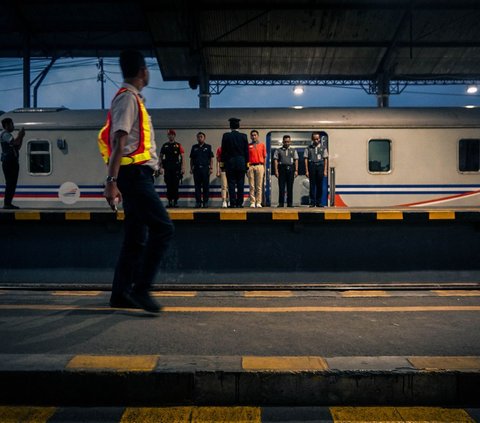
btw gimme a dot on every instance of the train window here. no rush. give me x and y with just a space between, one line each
379 152
469 155
39 157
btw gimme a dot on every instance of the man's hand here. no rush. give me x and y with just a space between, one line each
112 195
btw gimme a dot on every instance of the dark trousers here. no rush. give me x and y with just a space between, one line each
315 171
286 176
172 181
10 170
201 177
236 181
147 231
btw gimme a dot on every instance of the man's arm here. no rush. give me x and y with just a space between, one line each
111 193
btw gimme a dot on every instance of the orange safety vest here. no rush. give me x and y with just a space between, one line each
142 153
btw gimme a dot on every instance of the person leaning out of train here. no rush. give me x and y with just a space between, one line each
316 166
201 167
10 148
223 177
257 153
172 166
285 162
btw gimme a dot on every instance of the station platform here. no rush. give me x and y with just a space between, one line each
263 349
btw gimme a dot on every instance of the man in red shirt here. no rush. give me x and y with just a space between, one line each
257 154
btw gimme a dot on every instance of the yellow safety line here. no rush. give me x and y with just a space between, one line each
337 215
26 414
446 363
27 215
181 215
390 215
361 294
76 293
174 294
284 363
287 215
77 215
456 293
138 363
233 215
441 215
268 294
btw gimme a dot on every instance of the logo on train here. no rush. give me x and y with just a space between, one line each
69 193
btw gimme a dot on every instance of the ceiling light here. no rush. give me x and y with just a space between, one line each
472 89
298 90
298 107
470 106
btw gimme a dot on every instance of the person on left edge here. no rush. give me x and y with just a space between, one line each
172 165
127 144
201 167
257 154
10 147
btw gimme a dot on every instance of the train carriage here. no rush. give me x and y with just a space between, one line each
392 157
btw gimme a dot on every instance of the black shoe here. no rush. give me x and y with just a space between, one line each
143 300
121 302
289 205
280 205
311 205
319 205
10 207
205 205
198 205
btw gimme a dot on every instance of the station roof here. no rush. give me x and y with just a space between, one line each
245 39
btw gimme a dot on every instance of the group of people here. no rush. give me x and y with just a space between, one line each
236 158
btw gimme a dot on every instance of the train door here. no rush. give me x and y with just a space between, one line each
300 140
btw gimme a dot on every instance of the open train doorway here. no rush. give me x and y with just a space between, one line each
301 185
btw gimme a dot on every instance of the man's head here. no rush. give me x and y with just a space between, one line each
234 123
316 137
134 67
287 140
201 137
171 134
7 124
254 135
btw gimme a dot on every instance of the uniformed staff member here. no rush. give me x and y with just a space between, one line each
201 167
285 162
172 166
235 158
316 165
10 148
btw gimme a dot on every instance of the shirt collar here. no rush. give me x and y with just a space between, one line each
133 89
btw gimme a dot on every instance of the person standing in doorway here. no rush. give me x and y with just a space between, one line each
10 147
316 165
127 144
201 167
172 166
285 162
235 158
257 154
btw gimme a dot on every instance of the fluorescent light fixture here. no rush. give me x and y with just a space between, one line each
298 90
472 89
298 107
470 106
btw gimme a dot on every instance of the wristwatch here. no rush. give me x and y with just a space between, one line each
111 179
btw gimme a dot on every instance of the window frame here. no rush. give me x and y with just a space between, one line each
466 172
380 172
35 153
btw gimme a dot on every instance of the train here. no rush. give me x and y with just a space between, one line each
378 157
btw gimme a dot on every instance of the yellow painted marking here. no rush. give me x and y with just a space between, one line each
361 294
180 215
275 294
434 414
309 309
233 215
457 293
27 215
26 414
137 363
77 215
365 414
390 215
192 415
441 215
284 363
399 414
445 363
174 294
337 215
121 215
287 215
76 293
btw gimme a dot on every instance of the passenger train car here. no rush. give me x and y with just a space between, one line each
391 157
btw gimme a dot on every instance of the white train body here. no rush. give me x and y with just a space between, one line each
380 157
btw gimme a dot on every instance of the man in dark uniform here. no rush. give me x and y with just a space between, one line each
235 159
316 165
285 161
172 166
201 167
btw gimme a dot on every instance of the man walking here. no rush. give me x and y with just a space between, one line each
127 144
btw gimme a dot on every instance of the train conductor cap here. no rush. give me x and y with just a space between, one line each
171 132
234 123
